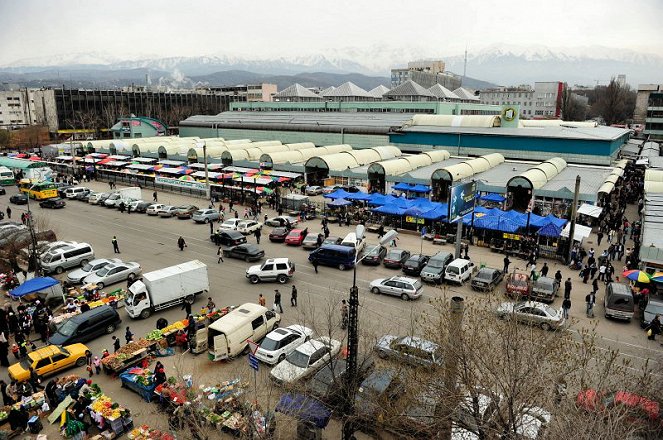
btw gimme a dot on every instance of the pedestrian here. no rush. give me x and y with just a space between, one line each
277 301
585 274
154 196
544 270
293 296
599 237
116 343
566 306
4 351
380 231
9 212
210 305
219 252
181 243
128 336
315 265
590 300
505 269
230 206
211 228
97 365
532 271
186 307
35 381
257 234
121 207
261 300
116 248
567 288
595 285
654 328
602 270
592 270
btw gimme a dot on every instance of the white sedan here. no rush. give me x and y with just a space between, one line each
247 227
282 220
78 275
305 360
231 224
113 273
281 342
154 209
533 313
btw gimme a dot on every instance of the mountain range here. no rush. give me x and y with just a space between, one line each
497 64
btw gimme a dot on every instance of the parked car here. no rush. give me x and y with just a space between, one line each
2 191
113 273
247 252
640 409
167 211
186 211
330 189
282 220
313 190
378 392
533 313
328 384
406 288
230 224
205 215
395 258
517 285
374 256
459 271
83 196
281 342
278 234
48 360
248 227
274 269
227 237
433 272
54 203
19 199
654 307
154 209
97 198
415 264
313 240
62 188
139 206
295 236
305 360
486 279
78 275
352 241
75 191
544 289
409 349
332 240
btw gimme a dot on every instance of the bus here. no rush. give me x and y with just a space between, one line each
6 177
38 190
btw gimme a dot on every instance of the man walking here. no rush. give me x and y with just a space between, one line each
261 300
566 306
116 344
277 301
590 299
116 248
293 297
9 212
154 197
315 265
506 264
257 233
181 243
567 288
128 336
220 254
186 307
544 270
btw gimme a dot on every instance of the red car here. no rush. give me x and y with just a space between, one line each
639 408
296 236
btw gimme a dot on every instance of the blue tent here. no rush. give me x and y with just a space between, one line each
496 223
492 197
304 408
358 196
339 202
338 194
377 199
550 230
402 186
390 209
420 188
560 222
33 285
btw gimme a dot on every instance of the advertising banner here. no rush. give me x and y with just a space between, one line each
461 199
180 183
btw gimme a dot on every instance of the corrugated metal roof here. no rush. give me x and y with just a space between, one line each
348 89
441 92
596 133
327 90
409 88
296 91
465 94
379 91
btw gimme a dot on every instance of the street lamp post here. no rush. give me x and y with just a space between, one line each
353 339
33 238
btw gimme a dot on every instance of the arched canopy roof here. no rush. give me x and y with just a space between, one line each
606 188
541 174
233 155
404 164
299 156
468 168
300 146
652 175
334 162
486 121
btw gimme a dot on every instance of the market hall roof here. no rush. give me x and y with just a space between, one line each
379 91
441 92
346 90
296 91
409 88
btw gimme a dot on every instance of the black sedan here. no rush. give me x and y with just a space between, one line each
374 256
278 234
54 203
19 199
486 279
2 191
415 264
227 238
395 258
246 252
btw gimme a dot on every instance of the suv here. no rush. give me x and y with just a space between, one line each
434 270
274 269
66 257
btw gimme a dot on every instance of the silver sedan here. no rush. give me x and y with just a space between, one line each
78 275
113 273
533 313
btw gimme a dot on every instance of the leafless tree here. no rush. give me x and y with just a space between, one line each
572 108
614 103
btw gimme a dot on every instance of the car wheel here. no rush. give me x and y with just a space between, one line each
206 220
341 266
190 299
100 285
281 358
80 361
110 329
545 326
84 262
145 313
253 279
405 297
375 290
382 354
59 270
282 279
247 259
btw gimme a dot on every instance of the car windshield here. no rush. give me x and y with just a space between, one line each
269 344
394 255
484 275
251 248
199 212
518 282
279 231
435 262
103 271
452 269
294 234
68 328
298 359
417 285
654 308
87 268
373 252
114 197
26 363
549 310
48 258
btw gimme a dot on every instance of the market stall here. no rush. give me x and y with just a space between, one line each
128 356
140 381
144 432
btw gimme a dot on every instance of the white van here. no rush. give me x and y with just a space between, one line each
71 193
66 257
458 271
228 336
350 240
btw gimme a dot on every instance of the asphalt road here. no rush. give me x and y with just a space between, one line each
152 242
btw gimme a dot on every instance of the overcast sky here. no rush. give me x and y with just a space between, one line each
259 28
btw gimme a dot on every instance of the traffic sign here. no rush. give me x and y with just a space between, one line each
253 361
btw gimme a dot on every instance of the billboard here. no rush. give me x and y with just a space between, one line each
461 199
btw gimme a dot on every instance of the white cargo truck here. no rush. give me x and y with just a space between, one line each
167 287
125 195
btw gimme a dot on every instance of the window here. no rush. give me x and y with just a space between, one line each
258 322
281 266
43 362
268 267
59 357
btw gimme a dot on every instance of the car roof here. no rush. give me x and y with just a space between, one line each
114 265
277 260
310 347
82 317
283 332
415 341
545 281
487 270
232 233
403 279
441 255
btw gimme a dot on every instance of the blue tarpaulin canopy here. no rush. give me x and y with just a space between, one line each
304 408
496 223
358 196
390 209
550 230
402 186
377 199
492 197
338 194
339 202
33 285
420 188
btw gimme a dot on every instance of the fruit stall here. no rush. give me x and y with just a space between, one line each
128 355
140 381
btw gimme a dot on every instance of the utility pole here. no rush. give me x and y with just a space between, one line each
574 209
207 186
444 411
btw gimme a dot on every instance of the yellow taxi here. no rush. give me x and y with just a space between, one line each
48 360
